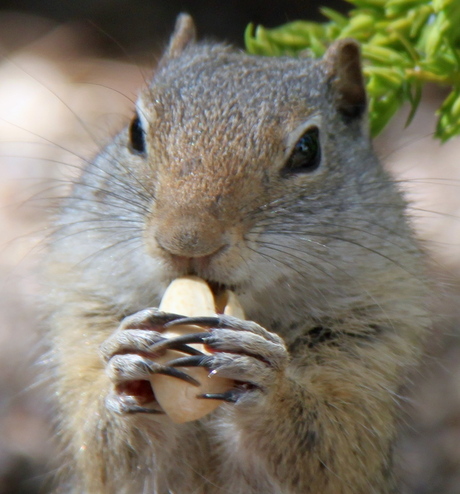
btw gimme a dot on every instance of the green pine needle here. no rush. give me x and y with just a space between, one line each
405 44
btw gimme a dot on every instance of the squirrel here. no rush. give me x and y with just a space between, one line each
256 174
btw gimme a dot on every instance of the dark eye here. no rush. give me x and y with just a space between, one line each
137 136
306 155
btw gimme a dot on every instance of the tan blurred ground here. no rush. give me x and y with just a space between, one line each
57 106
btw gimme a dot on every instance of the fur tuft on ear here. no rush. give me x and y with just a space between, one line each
343 63
184 34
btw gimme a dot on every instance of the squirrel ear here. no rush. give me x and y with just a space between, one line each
343 65
184 34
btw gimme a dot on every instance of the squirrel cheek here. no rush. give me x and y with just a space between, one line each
191 296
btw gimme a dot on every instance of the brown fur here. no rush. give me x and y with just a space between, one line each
326 260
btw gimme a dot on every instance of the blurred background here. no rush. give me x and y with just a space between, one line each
69 73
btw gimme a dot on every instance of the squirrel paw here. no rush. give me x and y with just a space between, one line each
138 333
241 350
130 362
124 404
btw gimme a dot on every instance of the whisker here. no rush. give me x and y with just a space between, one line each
94 164
295 232
61 199
57 236
105 250
45 86
283 250
117 91
277 261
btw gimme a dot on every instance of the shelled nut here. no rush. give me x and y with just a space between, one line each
191 296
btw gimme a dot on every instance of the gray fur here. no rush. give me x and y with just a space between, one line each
326 260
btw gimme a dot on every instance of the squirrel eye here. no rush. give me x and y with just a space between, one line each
306 155
137 135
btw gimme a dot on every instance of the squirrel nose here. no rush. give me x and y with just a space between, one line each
189 237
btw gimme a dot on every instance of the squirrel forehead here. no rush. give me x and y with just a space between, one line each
215 80
216 99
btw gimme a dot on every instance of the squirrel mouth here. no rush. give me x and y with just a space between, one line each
200 267
217 288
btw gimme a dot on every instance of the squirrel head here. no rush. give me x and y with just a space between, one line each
227 133
250 168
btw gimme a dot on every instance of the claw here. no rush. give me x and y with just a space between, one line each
187 349
148 318
179 343
168 371
204 321
135 409
195 361
165 317
229 396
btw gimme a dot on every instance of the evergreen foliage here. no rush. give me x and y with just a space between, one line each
405 44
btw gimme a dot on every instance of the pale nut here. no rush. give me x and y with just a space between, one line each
191 296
